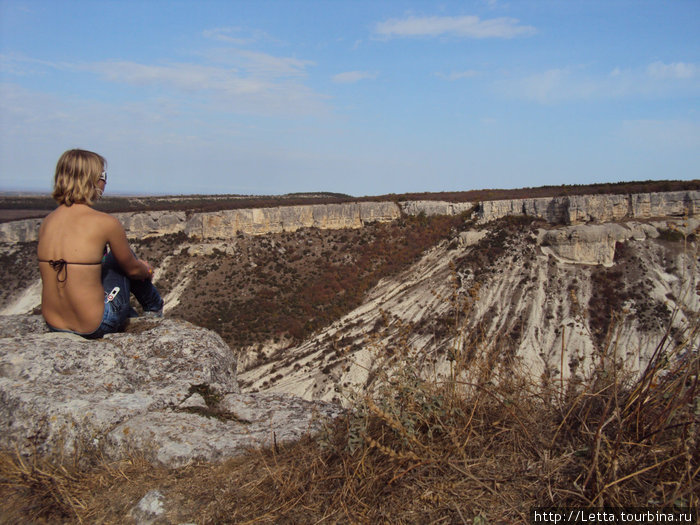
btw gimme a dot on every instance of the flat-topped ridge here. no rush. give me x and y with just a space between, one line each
223 224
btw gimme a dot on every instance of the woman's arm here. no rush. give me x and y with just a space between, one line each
118 243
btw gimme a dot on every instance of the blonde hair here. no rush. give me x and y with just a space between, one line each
77 173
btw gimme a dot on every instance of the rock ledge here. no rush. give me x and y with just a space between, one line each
165 388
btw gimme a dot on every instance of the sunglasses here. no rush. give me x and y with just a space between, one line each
103 177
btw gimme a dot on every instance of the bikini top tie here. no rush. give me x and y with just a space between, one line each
59 265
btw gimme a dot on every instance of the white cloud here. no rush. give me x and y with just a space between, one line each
249 82
254 71
189 77
20 65
666 135
257 63
459 26
458 75
238 36
230 35
676 70
350 77
255 91
154 145
573 83
552 86
231 91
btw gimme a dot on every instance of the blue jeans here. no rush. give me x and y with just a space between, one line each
118 288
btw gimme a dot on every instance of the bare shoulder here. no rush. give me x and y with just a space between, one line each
51 216
52 221
104 218
76 233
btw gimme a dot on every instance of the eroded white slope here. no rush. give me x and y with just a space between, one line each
26 302
531 304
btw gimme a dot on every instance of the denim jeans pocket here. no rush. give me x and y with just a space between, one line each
114 318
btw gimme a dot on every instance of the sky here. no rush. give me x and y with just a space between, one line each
262 97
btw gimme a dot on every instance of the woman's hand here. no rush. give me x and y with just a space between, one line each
148 268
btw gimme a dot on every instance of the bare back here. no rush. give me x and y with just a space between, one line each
72 297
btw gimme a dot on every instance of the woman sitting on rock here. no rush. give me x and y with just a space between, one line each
85 287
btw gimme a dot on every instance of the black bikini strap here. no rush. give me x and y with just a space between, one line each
60 265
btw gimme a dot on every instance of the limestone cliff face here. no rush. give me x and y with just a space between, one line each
594 243
577 209
228 223
153 223
19 231
260 221
435 207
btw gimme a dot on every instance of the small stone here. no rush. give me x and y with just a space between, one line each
194 401
149 508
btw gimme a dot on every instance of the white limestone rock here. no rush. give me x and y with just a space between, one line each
149 509
152 223
232 425
126 391
553 210
579 209
595 243
226 224
587 244
534 299
471 237
26 230
431 208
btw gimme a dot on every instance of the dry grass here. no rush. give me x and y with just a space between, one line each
422 451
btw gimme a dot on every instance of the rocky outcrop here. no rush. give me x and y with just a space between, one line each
225 224
153 223
228 223
435 207
19 231
257 221
164 388
577 209
593 243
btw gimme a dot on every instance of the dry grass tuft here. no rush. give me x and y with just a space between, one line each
68 490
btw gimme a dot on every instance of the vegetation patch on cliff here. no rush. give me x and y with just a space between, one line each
621 290
289 285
